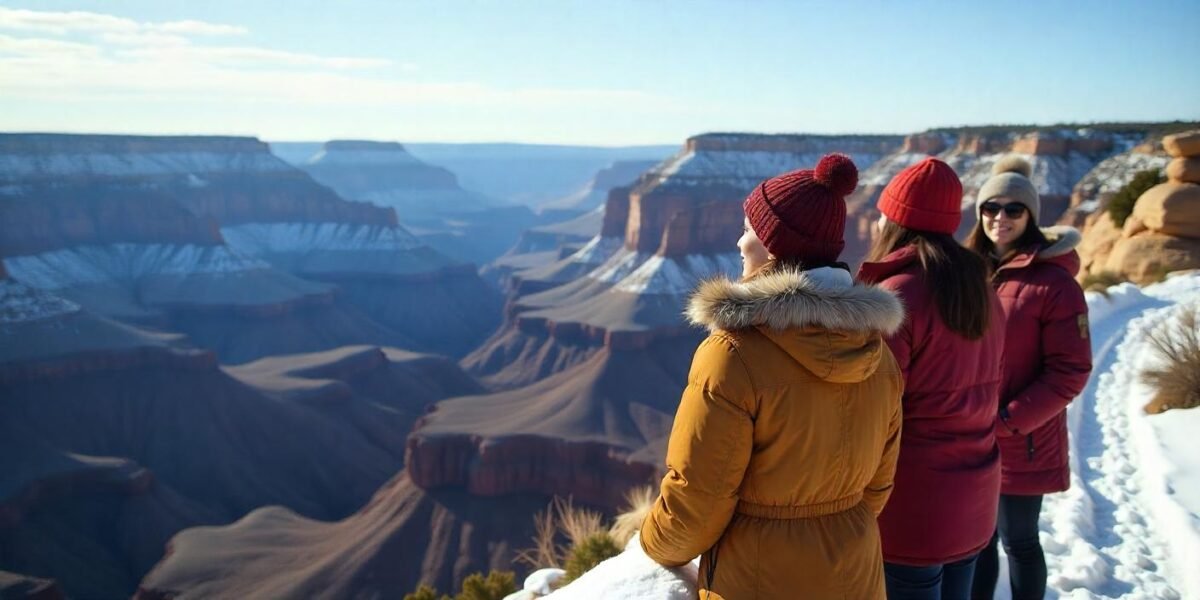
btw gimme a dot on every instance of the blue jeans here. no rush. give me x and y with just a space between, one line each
951 581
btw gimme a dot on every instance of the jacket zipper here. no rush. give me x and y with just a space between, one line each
1029 446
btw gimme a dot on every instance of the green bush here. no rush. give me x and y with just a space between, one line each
424 592
495 586
588 553
1121 204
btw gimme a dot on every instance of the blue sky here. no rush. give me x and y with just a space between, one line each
610 73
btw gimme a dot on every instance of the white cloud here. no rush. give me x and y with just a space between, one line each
160 67
69 22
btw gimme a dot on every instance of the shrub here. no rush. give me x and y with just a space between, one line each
575 539
424 592
1121 204
1100 282
1176 382
589 552
495 586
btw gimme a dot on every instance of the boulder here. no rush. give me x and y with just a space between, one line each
1170 208
1099 237
1183 145
1146 258
1184 170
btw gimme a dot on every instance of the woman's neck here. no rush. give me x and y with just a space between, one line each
1003 249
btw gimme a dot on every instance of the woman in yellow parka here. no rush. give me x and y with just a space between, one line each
785 442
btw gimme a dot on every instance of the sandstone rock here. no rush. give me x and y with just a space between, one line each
1184 170
1181 145
1099 237
1170 208
1146 258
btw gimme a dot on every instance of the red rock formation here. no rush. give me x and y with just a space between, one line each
403 537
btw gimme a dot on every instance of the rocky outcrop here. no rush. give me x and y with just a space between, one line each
459 223
403 537
219 239
1074 170
112 439
1163 233
1090 196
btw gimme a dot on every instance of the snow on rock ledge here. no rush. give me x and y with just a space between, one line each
632 575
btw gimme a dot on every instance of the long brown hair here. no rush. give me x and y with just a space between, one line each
982 245
957 276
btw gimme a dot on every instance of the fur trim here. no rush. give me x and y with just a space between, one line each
1063 240
793 298
1013 164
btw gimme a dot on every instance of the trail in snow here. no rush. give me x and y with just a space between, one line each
1105 537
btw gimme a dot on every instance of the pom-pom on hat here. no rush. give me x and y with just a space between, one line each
801 215
1010 179
926 196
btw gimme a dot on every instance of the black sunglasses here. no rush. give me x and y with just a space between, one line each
1011 210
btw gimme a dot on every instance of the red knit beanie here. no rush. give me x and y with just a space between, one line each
801 215
926 197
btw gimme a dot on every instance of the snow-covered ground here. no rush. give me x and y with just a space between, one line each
1128 528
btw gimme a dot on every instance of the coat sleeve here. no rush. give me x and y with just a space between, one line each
1066 359
880 487
707 456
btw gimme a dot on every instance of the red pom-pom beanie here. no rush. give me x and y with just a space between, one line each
801 215
926 196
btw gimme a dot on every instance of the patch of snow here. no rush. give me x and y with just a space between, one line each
597 250
1052 175
125 263
886 168
619 266
20 303
262 238
678 276
738 168
542 581
631 575
196 182
16 167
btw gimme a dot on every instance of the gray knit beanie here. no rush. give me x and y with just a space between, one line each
1010 178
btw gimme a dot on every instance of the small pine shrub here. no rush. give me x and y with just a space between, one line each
588 553
1100 282
425 592
1121 204
1176 382
495 586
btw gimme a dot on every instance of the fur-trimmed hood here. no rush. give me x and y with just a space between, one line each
820 318
1063 240
793 298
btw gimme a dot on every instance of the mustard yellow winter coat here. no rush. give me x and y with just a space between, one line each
785 442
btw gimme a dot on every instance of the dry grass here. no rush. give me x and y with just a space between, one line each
637 503
563 528
1100 282
1177 382
561 520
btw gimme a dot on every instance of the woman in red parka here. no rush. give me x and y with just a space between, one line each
943 507
1047 359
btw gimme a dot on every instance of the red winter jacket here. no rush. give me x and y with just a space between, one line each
943 506
1046 364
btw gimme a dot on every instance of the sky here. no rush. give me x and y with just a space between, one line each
599 73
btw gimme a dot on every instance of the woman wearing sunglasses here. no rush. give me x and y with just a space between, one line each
1046 363
943 507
